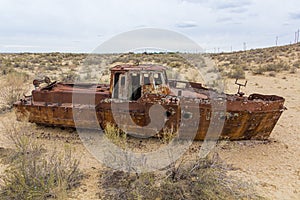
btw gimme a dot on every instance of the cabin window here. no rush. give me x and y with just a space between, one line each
135 87
123 81
116 86
146 79
122 87
157 79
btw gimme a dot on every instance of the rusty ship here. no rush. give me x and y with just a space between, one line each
134 93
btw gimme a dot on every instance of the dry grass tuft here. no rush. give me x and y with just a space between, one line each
13 87
205 179
236 73
167 136
272 74
293 70
115 135
34 173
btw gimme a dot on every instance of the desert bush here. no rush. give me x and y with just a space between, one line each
203 179
277 67
269 60
34 173
293 70
13 87
274 67
236 73
167 135
115 135
271 67
258 70
296 64
272 74
70 77
51 68
174 64
213 70
7 70
245 67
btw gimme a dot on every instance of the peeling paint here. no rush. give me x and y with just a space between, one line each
142 87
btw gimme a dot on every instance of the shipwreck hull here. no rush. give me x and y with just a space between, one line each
141 101
245 119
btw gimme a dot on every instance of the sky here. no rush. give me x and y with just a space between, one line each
82 25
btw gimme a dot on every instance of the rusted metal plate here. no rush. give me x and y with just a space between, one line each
134 90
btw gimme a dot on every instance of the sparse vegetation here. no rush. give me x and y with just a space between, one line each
65 65
258 70
13 87
34 173
203 179
293 70
115 135
70 77
259 61
167 136
272 74
238 72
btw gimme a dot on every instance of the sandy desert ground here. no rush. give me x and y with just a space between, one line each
272 166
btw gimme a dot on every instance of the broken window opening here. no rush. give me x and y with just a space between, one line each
146 79
123 81
135 87
157 79
116 86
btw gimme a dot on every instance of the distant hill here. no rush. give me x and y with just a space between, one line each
64 66
260 61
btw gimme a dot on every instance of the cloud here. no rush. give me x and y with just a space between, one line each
286 24
140 26
186 24
238 10
194 1
224 19
148 38
54 25
19 46
236 6
295 15
233 4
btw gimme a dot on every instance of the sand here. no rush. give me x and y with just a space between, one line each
273 166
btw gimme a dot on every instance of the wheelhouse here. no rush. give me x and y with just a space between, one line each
132 82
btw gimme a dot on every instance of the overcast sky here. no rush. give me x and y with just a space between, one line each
82 25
